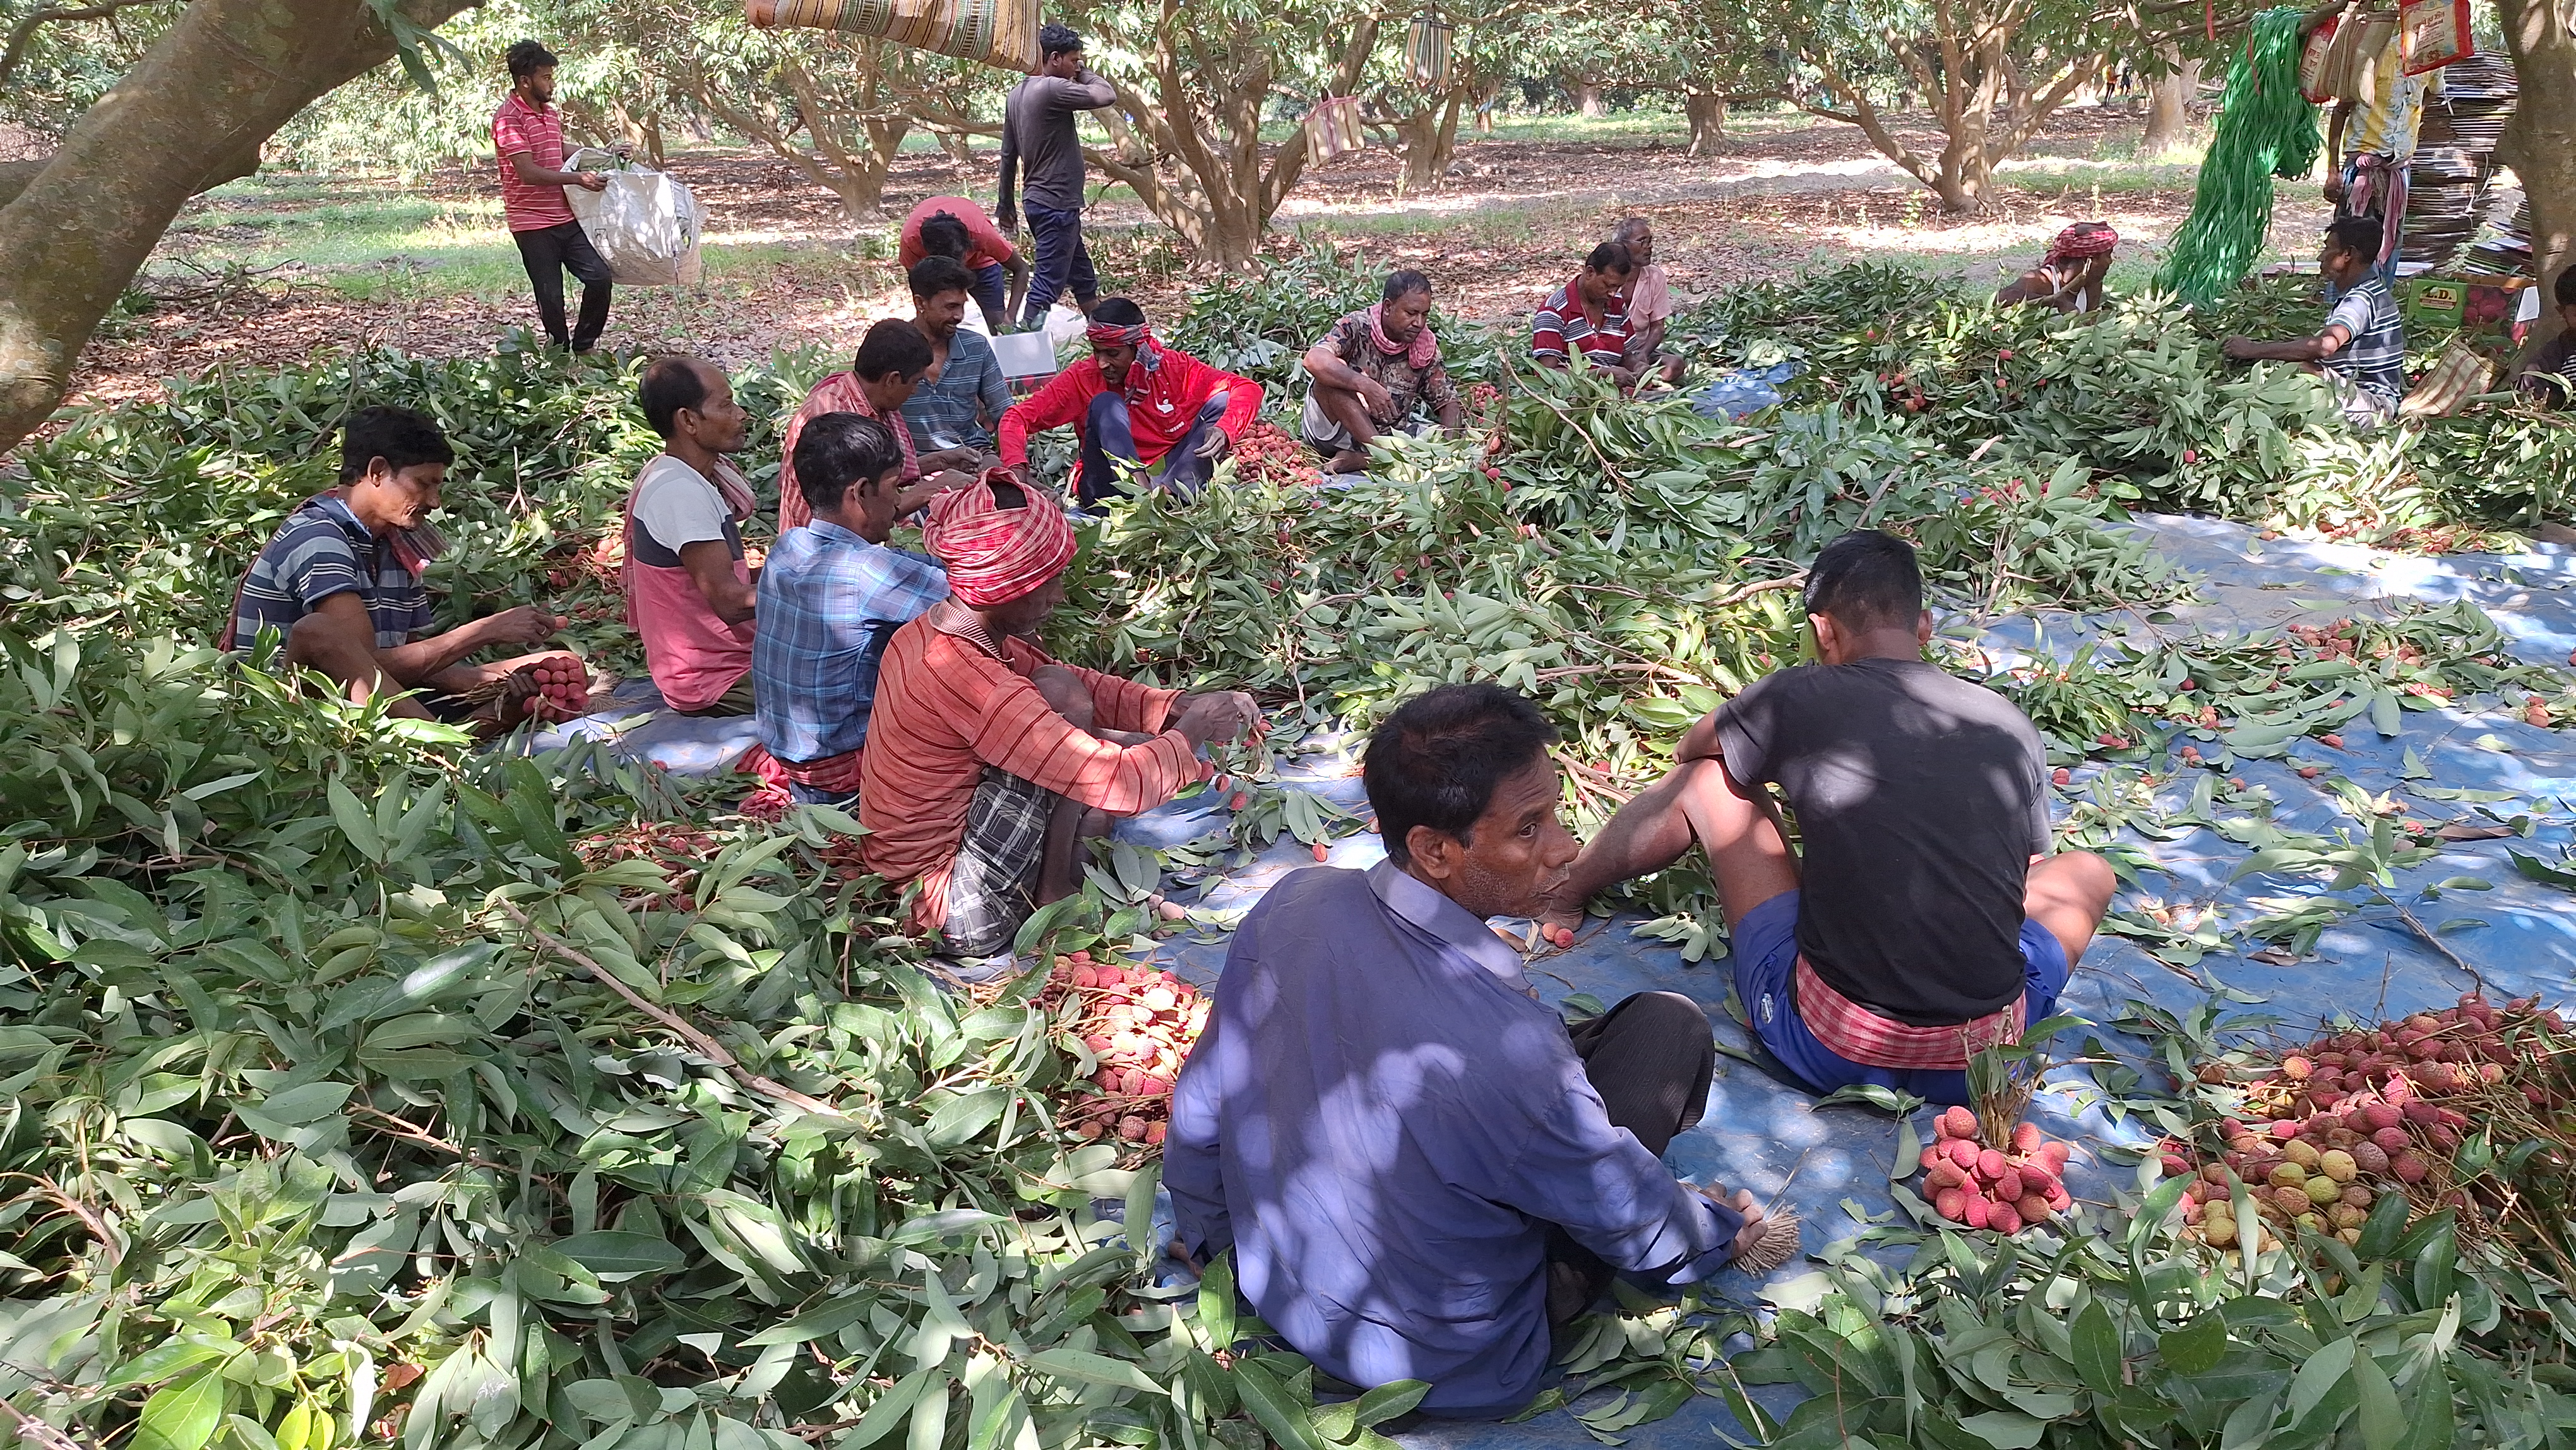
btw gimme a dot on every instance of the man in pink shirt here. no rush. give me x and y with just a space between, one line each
527 135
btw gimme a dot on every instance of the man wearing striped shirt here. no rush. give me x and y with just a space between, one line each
2362 348
340 591
987 760
527 136
1588 318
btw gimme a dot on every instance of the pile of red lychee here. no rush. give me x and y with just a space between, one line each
2354 1115
1139 1026
2003 1188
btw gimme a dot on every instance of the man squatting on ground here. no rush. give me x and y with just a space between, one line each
956 228
1588 318
1927 919
1649 301
987 759
1136 403
339 584
1421 1173
1378 371
527 134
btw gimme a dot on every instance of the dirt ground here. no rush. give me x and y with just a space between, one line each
787 269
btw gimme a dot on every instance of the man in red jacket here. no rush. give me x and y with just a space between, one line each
1138 403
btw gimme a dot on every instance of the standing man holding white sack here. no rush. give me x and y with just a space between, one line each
527 136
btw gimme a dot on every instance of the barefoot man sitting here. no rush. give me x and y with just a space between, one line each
1928 918
986 760
1421 1173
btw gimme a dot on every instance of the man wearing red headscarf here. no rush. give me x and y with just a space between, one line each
987 760
2070 277
1135 403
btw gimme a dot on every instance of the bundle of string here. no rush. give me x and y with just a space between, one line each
2265 129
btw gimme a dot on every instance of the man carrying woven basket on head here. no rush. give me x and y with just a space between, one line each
2069 278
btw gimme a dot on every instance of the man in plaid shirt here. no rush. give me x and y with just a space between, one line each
831 595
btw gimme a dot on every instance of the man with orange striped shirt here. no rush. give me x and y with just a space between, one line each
987 760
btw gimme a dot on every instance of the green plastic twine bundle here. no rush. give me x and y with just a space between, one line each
2265 129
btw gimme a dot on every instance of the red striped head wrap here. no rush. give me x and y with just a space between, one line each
993 554
2083 240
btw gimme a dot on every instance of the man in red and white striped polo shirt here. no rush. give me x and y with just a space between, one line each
527 136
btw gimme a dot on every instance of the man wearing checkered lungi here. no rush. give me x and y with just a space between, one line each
988 761
1926 917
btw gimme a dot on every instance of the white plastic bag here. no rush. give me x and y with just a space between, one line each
645 224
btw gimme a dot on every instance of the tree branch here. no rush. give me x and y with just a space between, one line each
25 30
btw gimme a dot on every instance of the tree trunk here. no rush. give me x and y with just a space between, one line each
218 83
960 148
1707 113
1430 140
1587 99
2540 143
2168 102
1208 128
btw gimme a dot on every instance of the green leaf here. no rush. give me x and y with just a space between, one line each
961 1118
163 1360
2381 1231
2005 1430
1390 1400
2432 1420
2376 1411
182 1416
891 1408
354 821
1270 1404
2096 1342
947 1223
2197 1347
1216 1302
2322 1371
830 1317
310 1103
1098 1369
612 1254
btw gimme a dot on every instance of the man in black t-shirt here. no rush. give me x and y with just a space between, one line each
1931 919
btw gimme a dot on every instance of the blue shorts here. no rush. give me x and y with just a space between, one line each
1766 956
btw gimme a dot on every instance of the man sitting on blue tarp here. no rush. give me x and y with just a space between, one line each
1927 917
1422 1175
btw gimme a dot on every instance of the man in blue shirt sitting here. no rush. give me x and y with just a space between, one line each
1420 1173
831 595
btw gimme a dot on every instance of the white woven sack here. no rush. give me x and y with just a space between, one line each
645 225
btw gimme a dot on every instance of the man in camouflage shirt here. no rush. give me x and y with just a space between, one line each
1378 371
